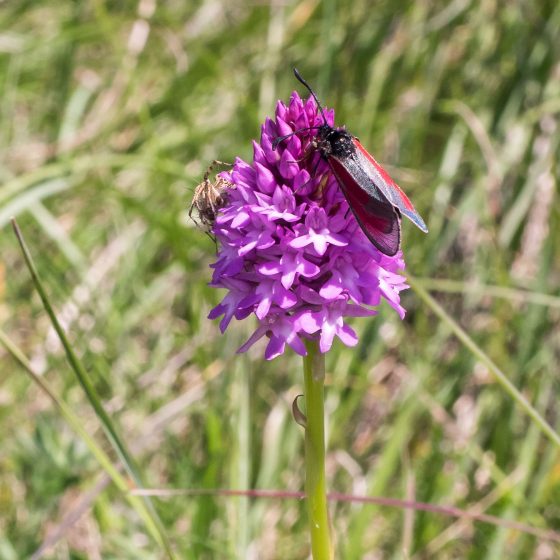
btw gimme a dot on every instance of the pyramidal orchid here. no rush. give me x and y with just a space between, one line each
290 250
292 255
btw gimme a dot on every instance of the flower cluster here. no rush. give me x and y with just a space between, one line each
290 249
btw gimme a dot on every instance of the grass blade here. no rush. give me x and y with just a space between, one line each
503 292
500 376
75 423
82 376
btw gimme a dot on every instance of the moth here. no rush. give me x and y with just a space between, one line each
375 199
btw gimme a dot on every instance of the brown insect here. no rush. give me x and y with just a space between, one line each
209 197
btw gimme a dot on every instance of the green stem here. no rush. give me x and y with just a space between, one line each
315 487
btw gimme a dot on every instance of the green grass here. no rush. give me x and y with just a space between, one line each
104 136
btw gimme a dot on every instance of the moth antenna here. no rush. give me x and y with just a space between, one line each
282 138
300 79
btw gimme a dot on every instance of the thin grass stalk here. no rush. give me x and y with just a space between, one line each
82 376
500 376
77 425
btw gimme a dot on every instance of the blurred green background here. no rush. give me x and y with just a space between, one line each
110 114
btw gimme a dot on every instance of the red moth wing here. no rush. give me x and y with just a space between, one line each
387 186
376 216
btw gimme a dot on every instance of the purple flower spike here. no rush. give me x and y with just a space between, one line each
290 250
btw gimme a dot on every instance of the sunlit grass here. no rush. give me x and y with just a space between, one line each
110 115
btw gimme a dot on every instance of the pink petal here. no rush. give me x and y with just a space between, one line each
252 339
330 289
328 331
269 268
274 348
263 308
297 345
288 165
308 323
347 335
265 179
